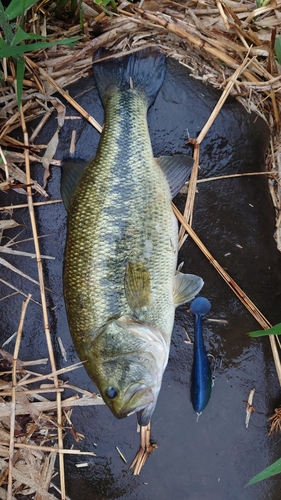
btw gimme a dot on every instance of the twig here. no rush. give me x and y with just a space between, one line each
42 406
235 288
188 211
146 448
4 163
13 404
222 99
43 300
249 407
68 98
25 205
51 449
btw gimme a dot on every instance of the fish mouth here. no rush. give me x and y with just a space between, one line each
138 397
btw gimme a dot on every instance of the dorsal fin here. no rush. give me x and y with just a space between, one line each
71 171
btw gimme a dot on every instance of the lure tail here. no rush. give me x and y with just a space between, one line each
143 71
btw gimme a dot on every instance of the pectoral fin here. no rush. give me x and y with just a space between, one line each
137 286
71 172
186 286
177 170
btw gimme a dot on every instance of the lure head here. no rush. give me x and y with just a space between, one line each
200 306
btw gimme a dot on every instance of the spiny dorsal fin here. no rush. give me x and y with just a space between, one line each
177 170
186 286
72 169
137 286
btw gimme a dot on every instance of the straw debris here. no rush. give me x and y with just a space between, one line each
29 422
228 43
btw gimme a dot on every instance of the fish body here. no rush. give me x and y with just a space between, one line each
201 379
121 250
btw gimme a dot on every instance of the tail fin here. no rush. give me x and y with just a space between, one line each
143 70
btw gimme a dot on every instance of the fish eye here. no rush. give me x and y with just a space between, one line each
111 392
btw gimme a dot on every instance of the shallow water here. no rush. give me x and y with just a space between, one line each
214 458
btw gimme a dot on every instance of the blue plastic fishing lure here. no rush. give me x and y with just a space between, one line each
201 381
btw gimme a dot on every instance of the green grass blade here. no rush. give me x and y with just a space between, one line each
3 16
4 24
273 469
275 330
21 35
20 76
8 51
17 7
277 48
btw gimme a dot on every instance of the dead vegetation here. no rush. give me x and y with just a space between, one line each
226 43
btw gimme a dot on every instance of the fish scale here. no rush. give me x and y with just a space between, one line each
121 250
118 207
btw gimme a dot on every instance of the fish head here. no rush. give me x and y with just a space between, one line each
130 359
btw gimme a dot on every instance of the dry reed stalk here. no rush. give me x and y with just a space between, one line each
271 173
43 300
146 448
189 206
50 449
5 249
25 205
41 124
45 406
17 291
16 270
195 41
26 480
231 81
12 120
16 455
32 391
52 375
4 163
249 407
46 474
222 14
246 301
67 97
13 404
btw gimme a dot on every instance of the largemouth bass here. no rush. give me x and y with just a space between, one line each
120 281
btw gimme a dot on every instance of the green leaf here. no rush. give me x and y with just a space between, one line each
21 35
7 51
20 75
262 3
102 2
273 469
275 330
277 47
17 7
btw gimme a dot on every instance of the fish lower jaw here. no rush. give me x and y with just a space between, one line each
139 398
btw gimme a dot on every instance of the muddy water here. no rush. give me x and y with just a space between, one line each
211 459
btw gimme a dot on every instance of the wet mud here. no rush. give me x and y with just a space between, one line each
214 458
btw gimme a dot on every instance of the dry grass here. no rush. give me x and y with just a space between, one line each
227 43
